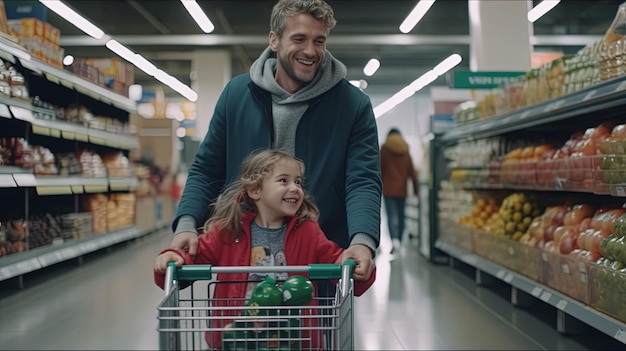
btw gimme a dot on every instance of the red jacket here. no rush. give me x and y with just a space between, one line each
305 243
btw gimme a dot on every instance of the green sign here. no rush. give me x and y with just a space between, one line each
481 80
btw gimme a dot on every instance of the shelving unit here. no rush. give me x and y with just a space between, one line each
585 108
23 185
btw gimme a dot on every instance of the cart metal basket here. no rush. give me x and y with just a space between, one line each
206 323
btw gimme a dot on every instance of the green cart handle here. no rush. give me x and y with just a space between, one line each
315 271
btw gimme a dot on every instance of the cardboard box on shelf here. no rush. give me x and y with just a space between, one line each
114 69
27 28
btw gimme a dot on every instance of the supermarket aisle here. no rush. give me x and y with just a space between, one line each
110 303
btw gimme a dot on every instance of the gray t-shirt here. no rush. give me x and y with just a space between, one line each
268 249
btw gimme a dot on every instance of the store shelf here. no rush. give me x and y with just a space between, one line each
70 131
12 177
32 260
576 309
597 98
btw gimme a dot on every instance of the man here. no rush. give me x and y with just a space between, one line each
296 98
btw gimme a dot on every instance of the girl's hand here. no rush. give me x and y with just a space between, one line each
161 261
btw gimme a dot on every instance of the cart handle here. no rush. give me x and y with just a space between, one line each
316 271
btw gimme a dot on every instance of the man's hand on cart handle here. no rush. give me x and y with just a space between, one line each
364 261
186 241
161 261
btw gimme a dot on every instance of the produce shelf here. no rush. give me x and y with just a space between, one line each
594 99
568 305
41 257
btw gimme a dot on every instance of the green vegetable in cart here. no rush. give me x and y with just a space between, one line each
266 293
297 291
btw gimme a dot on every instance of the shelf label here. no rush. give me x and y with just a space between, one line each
536 291
55 133
511 251
68 135
544 256
582 267
619 190
66 83
53 190
583 277
96 140
81 137
500 274
24 179
525 114
52 78
7 181
40 130
4 111
96 188
621 335
22 113
590 94
565 268
558 104
561 305
77 189
545 296
508 278
120 186
548 108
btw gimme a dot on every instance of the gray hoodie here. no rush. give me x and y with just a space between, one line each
287 108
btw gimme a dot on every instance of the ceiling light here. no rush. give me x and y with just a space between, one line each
416 15
74 18
371 67
442 68
541 9
198 15
448 64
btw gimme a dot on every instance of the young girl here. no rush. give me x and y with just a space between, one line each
264 218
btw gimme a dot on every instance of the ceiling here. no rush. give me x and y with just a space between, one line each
163 32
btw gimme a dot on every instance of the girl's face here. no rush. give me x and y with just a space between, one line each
280 194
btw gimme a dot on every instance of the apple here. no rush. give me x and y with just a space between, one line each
567 243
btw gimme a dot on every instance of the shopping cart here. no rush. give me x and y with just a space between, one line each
208 323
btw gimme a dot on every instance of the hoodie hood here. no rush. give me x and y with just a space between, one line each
330 72
396 144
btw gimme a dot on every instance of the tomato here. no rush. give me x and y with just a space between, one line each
577 214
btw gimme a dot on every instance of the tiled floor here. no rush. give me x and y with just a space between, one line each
109 302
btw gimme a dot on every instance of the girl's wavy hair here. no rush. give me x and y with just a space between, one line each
230 206
285 9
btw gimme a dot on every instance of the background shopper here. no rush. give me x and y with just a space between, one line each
396 168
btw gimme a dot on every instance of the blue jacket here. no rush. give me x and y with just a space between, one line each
336 139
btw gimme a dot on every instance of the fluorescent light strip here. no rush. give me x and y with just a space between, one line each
416 15
74 18
198 15
541 9
371 67
442 68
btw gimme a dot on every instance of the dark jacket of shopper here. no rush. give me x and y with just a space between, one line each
396 166
336 138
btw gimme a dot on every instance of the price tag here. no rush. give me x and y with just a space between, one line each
96 140
68 135
119 186
4 111
66 83
545 296
561 305
508 278
544 256
500 274
536 291
53 190
52 78
619 190
81 137
24 179
96 188
621 335
22 113
590 94
77 189
511 251
582 267
565 268
55 133
40 130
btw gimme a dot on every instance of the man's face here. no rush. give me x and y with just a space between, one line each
300 51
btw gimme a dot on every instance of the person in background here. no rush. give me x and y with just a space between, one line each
265 218
396 168
295 98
